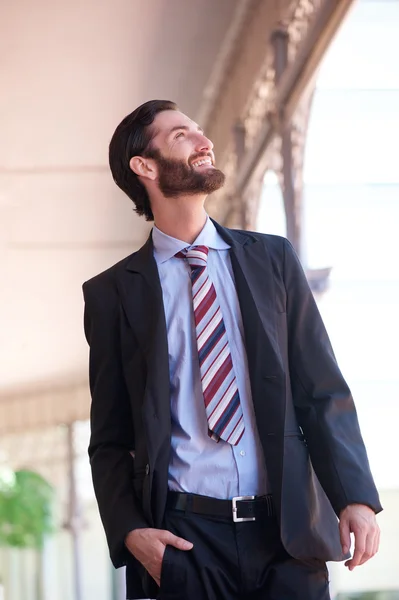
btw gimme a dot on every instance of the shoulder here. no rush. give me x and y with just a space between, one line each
108 274
104 284
276 245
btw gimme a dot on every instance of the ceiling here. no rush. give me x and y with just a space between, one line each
71 71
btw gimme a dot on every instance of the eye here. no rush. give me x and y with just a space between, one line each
179 135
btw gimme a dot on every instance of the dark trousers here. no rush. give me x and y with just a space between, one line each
236 561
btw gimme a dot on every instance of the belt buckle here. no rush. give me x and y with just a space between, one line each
235 509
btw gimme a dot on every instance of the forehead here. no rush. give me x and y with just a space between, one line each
168 119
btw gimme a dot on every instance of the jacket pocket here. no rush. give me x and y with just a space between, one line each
295 434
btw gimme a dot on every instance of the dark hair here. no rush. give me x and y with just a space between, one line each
131 138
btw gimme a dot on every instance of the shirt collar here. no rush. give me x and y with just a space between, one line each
166 246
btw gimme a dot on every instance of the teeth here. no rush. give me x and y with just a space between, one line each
205 161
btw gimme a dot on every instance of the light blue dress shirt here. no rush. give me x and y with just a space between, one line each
199 465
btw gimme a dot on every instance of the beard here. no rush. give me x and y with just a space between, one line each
176 177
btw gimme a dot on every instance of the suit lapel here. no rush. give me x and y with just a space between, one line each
255 287
141 295
254 281
256 290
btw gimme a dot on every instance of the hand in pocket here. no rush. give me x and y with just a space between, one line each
148 547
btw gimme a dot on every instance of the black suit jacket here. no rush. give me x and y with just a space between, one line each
314 452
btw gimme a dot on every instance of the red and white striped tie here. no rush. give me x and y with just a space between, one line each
219 385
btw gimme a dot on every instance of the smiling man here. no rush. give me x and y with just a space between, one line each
225 449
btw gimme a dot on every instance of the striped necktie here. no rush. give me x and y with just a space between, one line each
219 385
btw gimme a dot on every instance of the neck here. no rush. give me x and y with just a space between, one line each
181 218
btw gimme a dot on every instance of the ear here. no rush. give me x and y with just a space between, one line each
143 167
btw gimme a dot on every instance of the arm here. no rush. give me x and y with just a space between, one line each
112 435
322 399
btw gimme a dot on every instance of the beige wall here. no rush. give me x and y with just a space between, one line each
70 71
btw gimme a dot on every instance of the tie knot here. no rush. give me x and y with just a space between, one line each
197 256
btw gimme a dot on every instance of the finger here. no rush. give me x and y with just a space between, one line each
372 543
360 547
173 540
369 550
345 535
377 547
375 539
376 543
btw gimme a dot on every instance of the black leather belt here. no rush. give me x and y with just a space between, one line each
238 509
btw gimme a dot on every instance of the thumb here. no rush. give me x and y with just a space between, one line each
345 535
178 542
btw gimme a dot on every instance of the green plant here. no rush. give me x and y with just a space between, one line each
25 509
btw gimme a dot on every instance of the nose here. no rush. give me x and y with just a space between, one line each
203 144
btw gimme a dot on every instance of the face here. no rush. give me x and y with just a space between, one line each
184 156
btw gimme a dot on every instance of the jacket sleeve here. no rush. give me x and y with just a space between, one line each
323 402
112 434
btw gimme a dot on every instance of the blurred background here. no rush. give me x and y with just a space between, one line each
301 98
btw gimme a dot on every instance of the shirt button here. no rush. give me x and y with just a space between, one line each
242 452
147 469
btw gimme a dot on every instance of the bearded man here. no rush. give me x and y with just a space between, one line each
225 449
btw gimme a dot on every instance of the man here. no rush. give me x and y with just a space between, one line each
225 449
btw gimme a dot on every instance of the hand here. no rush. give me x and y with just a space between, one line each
148 546
359 520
